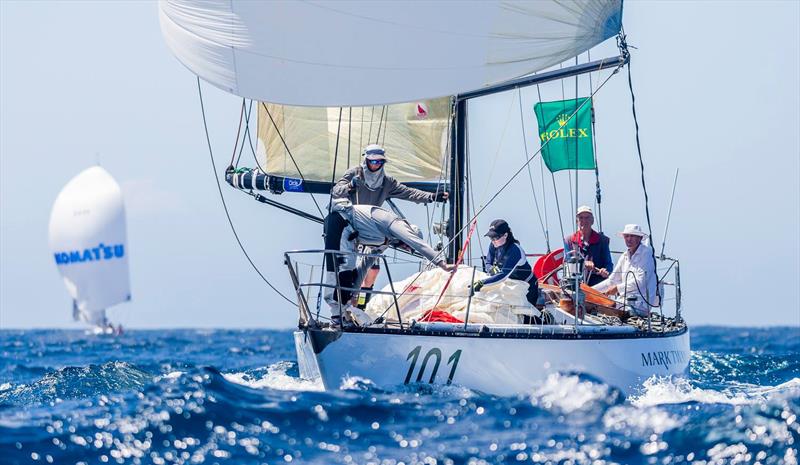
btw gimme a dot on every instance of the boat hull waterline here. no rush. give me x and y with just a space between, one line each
492 365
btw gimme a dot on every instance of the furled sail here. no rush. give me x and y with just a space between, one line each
89 245
305 142
346 52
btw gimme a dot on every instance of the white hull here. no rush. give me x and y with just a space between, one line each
494 365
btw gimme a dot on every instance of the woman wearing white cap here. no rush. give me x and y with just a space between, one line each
634 275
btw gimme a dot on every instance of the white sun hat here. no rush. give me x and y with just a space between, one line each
584 209
633 230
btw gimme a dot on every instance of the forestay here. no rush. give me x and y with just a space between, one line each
415 136
345 53
89 244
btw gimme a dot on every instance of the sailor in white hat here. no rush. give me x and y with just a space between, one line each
634 276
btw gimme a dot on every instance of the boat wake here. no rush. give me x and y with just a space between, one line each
682 391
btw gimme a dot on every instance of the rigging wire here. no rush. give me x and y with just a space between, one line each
380 125
289 152
335 156
246 129
530 175
516 173
349 134
457 234
222 197
552 176
597 192
238 133
623 45
474 218
471 194
371 119
361 131
385 128
541 178
564 108
577 170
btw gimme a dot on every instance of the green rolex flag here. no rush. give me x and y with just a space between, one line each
566 145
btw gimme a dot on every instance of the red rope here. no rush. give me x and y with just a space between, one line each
458 262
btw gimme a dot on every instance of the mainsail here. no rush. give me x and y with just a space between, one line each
346 53
89 244
306 142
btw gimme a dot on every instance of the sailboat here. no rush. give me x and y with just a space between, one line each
89 244
328 77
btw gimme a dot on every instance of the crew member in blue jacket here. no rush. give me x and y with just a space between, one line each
506 260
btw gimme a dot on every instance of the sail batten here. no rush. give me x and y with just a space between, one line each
353 53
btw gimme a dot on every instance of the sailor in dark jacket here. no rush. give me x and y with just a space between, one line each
593 246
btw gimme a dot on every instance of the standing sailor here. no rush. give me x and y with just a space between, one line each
368 184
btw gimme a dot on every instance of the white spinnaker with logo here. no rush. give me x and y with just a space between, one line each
356 53
89 244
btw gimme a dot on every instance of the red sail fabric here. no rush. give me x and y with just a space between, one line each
439 316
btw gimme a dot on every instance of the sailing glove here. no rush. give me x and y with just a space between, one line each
439 196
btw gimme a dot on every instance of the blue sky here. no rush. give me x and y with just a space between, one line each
717 87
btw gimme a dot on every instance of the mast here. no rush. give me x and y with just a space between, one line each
458 137
458 150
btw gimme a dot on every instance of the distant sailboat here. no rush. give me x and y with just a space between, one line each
89 244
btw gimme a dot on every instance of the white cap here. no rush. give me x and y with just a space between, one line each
633 230
584 209
374 152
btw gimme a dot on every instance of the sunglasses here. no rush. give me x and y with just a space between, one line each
376 162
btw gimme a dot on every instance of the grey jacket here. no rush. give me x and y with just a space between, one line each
375 225
362 195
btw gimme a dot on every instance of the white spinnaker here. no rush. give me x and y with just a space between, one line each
415 136
89 244
340 53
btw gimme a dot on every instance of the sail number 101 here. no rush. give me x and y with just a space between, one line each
435 353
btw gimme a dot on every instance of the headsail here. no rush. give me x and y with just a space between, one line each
89 244
338 53
415 136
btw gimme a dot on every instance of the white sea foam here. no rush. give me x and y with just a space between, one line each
643 420
170 375
569 393
355 383
659 391
5 387
275 378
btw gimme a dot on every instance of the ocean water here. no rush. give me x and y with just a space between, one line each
235 397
